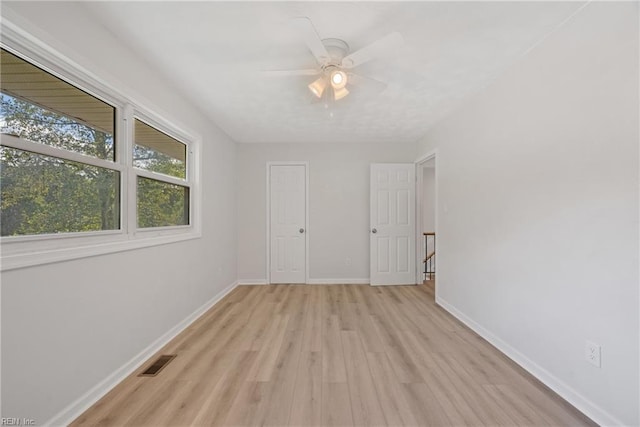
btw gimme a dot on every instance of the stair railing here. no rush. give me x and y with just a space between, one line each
430 256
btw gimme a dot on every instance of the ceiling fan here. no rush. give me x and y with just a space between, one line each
335 61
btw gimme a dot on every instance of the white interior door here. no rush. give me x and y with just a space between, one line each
392 232
288 228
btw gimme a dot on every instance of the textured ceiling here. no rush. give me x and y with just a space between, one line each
215 52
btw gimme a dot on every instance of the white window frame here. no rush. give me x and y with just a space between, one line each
136 172
31 250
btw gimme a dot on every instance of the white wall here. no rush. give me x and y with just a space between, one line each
538 221
338 203
67 326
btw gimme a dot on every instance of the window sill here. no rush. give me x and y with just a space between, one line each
14 261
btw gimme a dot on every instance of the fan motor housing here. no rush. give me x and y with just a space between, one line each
337 49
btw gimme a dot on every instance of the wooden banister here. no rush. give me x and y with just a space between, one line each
429 260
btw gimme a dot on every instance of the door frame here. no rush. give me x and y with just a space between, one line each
419 209
306 213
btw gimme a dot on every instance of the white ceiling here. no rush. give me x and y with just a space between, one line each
215 52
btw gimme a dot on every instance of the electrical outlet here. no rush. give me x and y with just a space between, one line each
592 353
347 261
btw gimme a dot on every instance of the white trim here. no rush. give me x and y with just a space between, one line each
268 214
59 153
419 216
584 405
23 260
162 178
129 209
395 284
242 282
267 197
84 402
338 281
423 159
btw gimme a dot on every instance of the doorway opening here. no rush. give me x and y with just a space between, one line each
426 220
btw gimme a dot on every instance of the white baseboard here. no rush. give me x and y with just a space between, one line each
75 409
252 282
338 281
310 282
584 405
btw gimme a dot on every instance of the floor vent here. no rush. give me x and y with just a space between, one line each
158 365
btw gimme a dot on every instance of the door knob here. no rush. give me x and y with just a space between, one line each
374 231
301 230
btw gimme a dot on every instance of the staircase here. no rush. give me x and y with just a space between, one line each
430 258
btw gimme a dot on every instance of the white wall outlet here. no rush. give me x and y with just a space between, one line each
592 353
347 261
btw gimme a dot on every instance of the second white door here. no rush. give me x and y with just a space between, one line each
288 228
392 231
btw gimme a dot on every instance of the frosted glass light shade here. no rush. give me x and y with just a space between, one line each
318 87
339 93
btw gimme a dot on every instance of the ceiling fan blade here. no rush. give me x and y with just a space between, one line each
373 50
286 73
371 85
312 39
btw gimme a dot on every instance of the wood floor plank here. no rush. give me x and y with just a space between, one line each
338 355
247 408
518 409
189 403
405 369
333 367
365 405
312 327
279 397
215 409
336 405
450 398
487 409
269 401
268 354
394 406
164 403
367 329
306 409
424 405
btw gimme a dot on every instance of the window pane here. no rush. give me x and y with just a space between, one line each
161 204
43 195
158 152
42 108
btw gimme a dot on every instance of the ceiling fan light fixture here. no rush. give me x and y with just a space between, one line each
317 87
338 79
339 93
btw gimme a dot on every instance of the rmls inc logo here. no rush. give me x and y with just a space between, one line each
17 421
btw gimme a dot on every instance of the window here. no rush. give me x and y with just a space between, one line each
161 204
81 167
158 152
46 195
162 193
49 127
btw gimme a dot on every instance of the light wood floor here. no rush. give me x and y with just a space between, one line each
333 356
